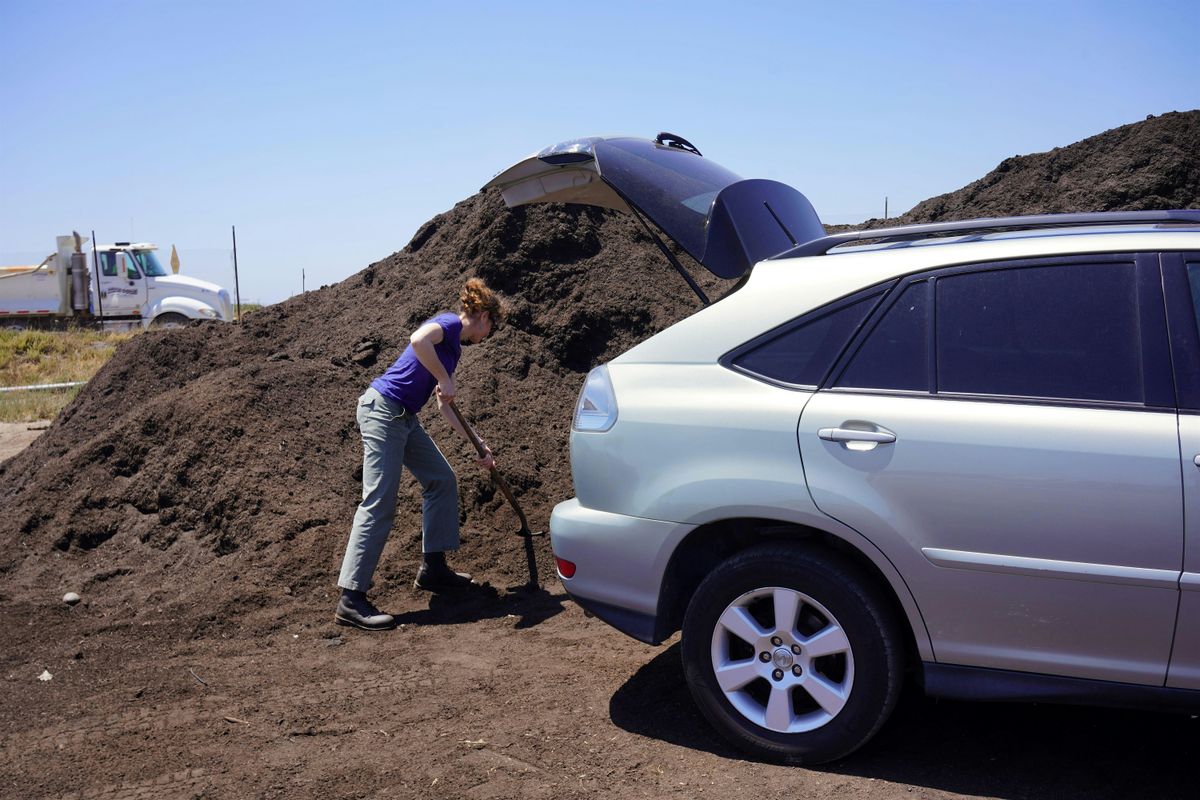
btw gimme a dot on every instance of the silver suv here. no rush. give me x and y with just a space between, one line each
967 452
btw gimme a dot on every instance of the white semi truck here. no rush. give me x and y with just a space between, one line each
127 287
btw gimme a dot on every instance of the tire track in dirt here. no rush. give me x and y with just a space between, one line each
183 783
90 730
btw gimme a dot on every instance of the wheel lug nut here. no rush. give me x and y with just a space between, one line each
764 657
796 670
775 640
777 674
796 649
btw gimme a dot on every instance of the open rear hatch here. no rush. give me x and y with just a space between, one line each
726 223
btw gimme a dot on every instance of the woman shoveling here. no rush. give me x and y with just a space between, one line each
393 438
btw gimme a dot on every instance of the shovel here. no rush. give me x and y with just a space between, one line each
502 484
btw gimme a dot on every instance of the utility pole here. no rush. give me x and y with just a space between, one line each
885 216
302 281
236 288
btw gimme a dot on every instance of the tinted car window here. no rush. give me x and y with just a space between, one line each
803 354
896 354
1068 331
1193 272
677 188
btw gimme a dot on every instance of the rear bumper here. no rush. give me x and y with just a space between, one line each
631 623
620 562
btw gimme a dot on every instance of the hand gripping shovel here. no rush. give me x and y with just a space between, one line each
502 484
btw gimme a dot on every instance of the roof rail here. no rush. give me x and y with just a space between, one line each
818 247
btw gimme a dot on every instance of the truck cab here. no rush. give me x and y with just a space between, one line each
133 285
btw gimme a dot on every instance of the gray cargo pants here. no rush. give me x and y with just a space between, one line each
393 439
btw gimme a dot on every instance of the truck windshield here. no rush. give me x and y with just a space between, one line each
149 264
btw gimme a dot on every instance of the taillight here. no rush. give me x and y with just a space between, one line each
565 568
596 409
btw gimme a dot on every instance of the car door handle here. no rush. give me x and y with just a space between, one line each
852 435
1196 461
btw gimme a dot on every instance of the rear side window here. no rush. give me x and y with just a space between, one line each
896 354
803 353
1193 273
1065 331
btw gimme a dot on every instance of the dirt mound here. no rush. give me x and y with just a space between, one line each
212 467
222 461
1142 166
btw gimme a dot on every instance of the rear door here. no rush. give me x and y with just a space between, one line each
1006 433
1181 280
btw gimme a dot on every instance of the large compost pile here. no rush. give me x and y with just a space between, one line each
207 469
1147 165
222 461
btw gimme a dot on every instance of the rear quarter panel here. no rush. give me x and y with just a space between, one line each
698 443
693 443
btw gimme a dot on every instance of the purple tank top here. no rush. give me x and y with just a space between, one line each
407 382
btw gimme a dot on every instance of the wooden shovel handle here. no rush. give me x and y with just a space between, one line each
507 492
467 429
497 478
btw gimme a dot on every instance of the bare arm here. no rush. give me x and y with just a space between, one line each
423 341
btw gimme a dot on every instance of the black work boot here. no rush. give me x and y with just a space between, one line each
356 611
435 576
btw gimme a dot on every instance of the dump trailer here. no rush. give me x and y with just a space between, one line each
118 286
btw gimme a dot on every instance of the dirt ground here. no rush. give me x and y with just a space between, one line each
16 436
197 493
489 696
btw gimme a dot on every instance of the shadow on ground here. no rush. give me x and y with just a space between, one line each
532 607
996 750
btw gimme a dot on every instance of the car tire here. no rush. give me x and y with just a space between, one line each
170 320
805 693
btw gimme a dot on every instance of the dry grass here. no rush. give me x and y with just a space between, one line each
39 357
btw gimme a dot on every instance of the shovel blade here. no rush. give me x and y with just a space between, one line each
530 558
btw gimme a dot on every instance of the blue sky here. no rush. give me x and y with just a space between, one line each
328 132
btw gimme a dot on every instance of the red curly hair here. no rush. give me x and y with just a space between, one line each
475 296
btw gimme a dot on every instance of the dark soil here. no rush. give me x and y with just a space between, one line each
198 495
1138 167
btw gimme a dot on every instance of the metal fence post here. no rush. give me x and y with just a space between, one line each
96 279
236 287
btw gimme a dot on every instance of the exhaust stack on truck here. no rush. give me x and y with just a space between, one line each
120 285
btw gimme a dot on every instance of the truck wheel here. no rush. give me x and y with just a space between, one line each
169 320
792 654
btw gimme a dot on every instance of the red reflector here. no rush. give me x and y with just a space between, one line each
565 568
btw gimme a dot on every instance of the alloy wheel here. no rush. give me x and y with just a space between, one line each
782 660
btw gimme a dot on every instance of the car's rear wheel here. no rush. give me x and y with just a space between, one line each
792 654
